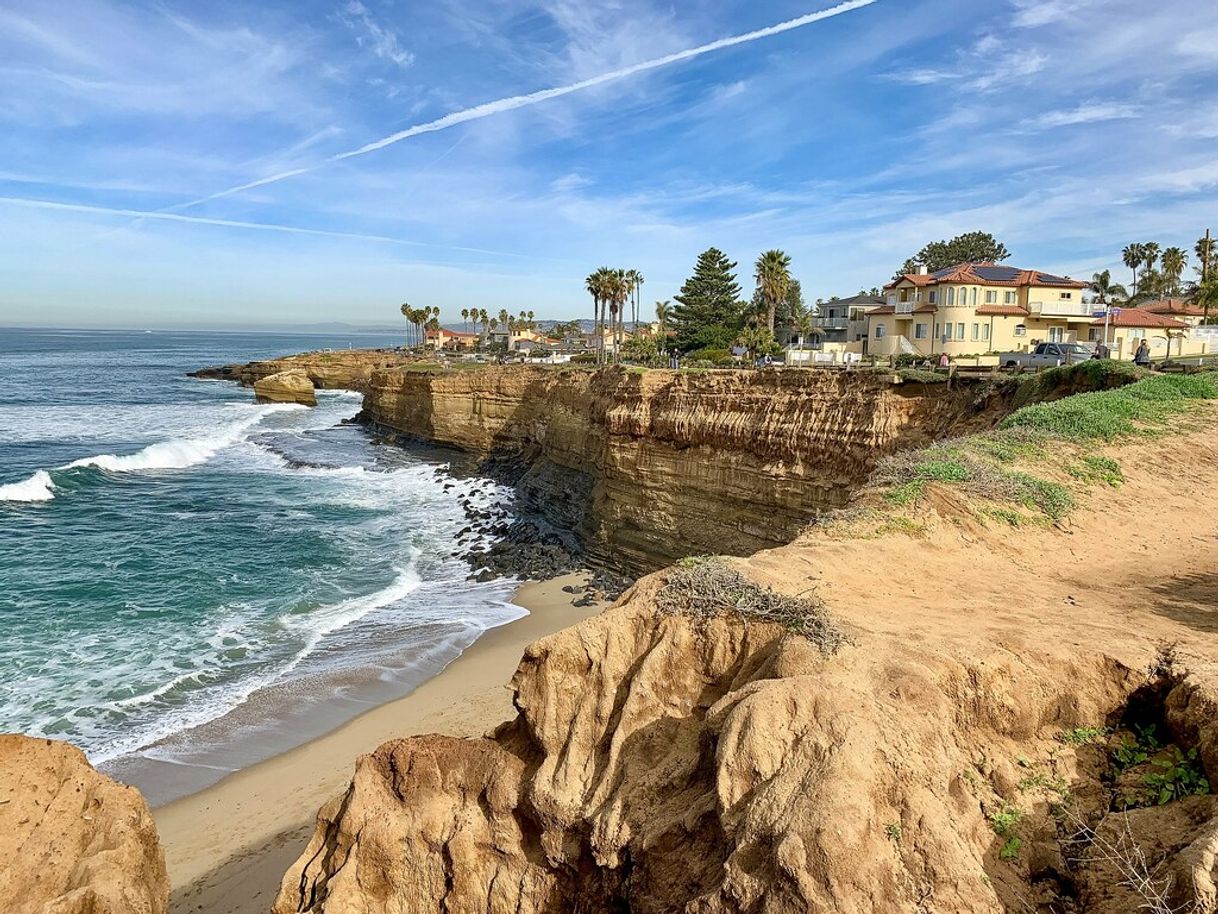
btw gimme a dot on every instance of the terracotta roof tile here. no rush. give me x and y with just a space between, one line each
1011 310
1174 306
1138 317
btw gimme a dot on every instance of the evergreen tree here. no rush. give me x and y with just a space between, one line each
709 312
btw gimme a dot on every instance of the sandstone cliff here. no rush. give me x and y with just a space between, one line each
291 386
342 369
953 758
646 467
71 840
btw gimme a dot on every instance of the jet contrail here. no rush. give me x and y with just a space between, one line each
233 223
523 101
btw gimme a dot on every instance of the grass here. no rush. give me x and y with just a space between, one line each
1012 469
705 587
1108 415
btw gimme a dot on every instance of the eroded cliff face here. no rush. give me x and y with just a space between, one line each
72 841
951 758
342 369
646 467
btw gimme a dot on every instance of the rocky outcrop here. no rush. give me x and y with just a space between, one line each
956 755
341 369
646 467
71 840
291 386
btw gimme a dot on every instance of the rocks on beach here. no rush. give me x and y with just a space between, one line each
291 386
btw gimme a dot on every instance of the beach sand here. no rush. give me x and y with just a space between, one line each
228 846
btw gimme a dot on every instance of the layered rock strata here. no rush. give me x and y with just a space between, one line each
646 467
291 386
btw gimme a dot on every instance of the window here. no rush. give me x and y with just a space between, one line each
1137 333
936 330
879 331
976 332
1093 335
1009 298
951 295
919 331
991 297
960 331
947 332
892 298
1066 296
974 297
1057 334
932 297
1021 330
985 332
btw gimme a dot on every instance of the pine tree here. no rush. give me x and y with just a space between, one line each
708 312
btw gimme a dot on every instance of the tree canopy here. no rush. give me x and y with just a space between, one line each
971 247
708 310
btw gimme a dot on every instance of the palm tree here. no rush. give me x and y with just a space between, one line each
532 323
773 274
663 316
1105 289
1150 255
1205 294
1205 250
1174 260
465 319
406 311
1132 256
593 285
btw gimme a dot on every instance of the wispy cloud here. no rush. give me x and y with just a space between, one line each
515 102
1085 113
379 39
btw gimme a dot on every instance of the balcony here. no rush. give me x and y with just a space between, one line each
830 323
1069 310
906 307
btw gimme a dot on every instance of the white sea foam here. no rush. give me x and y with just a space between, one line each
38 487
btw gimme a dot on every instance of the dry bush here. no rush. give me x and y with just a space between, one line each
708 587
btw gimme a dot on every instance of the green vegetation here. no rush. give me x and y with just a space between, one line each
971 247
893 831
1111 414
1169 772
1003 823
1095 468
709 312
1084 377
705 587
1083 736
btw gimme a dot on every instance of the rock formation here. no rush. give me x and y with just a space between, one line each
71 840
341 369
954 757
648 467
290 386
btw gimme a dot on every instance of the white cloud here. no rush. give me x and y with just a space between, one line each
380 40
1085 113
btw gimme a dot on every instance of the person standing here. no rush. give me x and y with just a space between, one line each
1142 356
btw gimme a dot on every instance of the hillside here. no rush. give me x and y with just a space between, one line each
1015 672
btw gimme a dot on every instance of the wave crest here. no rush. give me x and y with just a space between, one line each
38 487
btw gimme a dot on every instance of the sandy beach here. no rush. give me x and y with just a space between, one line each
228 846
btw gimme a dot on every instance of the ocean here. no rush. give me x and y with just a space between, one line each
191 582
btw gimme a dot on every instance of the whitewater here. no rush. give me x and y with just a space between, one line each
193 581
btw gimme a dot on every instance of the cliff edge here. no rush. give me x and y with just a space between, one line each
72 841
1020 716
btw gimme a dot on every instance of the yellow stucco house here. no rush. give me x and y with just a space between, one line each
975 308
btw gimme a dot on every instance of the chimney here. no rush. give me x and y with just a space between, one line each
922 271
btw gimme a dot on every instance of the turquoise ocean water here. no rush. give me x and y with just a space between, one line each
190 582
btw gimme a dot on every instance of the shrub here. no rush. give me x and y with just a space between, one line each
706 587
710 354
583 358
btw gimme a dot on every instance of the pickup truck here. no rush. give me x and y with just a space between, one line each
1046 355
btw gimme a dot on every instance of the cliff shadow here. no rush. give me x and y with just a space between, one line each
1190 599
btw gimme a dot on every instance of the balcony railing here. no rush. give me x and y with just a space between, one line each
1061 308
907 307
830 323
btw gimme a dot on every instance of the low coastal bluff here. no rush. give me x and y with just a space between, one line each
646 467
72 841
923 705
340 369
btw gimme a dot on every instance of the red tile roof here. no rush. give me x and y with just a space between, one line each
1174 306
1003 310
1138 317
989 274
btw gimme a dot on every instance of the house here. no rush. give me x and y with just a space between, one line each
839 320
1177 309
1127 327
442 338
975 308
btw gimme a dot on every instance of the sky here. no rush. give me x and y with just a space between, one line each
228 164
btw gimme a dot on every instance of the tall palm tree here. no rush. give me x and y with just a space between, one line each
1174 261
773 275
1105 289
532 323
663 316
1205 294
1132 257
465 319
1205 249
593 285
1150 255
405 309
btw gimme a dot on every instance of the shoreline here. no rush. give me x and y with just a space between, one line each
228 845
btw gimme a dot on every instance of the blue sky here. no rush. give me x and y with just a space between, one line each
1066 127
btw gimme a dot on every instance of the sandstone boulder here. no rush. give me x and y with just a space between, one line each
291 386
72 841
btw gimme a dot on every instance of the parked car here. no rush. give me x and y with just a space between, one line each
1046 355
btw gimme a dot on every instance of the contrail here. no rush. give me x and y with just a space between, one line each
488 109
233 223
